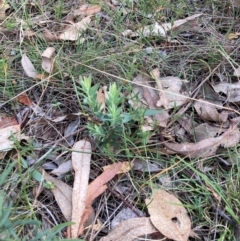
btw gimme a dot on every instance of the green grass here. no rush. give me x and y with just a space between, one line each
208 189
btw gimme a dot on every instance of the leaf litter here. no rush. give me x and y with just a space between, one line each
213 129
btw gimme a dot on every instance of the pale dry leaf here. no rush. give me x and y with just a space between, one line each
74 32
207 147
125 167
6 142
170 90
130 229
47 60
63 168
101 98
237 72
209 112
48 36
125 214
156 29
81 158
87 10
3 7
155 73
145 166
168 215
62 193
231 90
205 131
28 66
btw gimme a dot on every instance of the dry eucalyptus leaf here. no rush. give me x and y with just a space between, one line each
149 97
170 90
130 229
145 166
231 90
81 158
205 131
207 147
86 10
47 61
125 214
96 188
209 112
62 193
169 216
28 66
74 32
125 167
63 168
6 142
157 29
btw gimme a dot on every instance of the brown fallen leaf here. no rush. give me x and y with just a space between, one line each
96 188
6 121
74 32
28 66
86 10
81 158
24 99
209 112
130 229
49 37
149 97
170 90
169 216
207 147
47 60
62 193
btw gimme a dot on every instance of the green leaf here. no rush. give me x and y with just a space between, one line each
152 112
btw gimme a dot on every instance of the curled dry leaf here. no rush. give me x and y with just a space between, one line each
81 158
48 36
169 216
28 66
207 147
62 193
74 32
170 87
130 229
231 90
47 60
209 112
